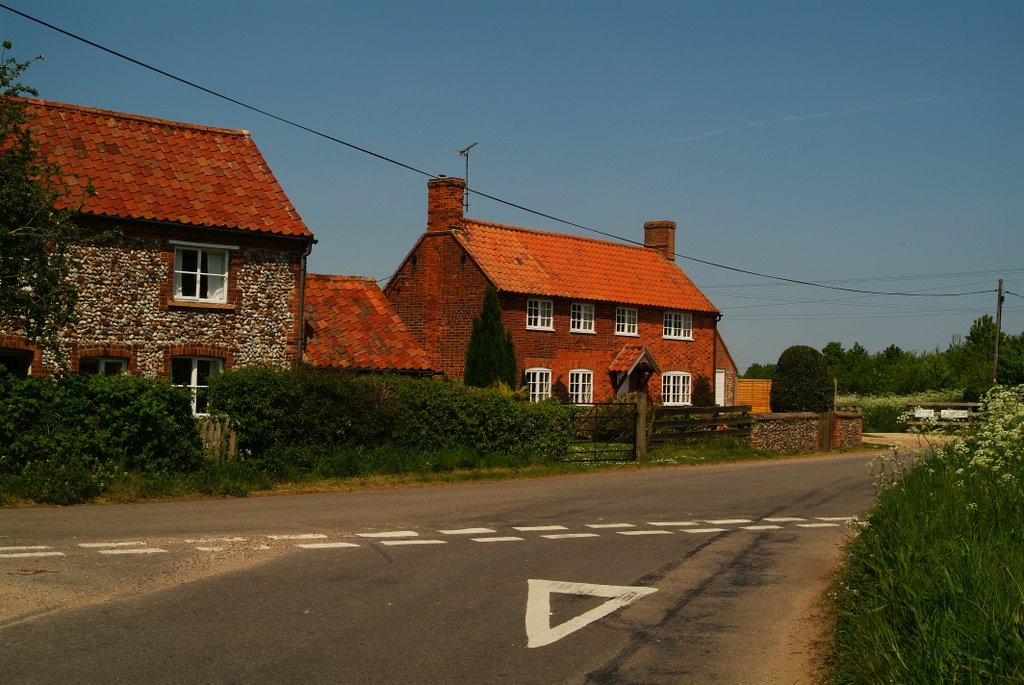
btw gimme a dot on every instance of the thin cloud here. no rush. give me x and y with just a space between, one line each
805 117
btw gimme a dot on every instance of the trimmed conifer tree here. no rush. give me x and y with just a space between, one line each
491 356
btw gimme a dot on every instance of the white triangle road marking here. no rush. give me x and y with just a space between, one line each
539 631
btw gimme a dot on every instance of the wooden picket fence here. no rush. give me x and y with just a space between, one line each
220 442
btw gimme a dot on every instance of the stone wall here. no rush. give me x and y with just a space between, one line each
126 307
801 431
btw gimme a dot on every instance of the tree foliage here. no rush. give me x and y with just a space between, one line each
36 296
802 381
491 356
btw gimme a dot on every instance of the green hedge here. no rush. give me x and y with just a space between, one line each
296 417
884 413
62 439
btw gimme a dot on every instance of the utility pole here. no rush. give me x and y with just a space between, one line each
999 334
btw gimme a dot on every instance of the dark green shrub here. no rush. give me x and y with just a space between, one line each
490 356
802 381
703 393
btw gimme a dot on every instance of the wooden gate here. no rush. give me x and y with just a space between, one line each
605 431
692 424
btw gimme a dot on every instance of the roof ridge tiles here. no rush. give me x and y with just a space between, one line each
468 223
134 117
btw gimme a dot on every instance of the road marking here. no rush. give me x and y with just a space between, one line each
784 519
25 555
610 525
298 536
467 531
645 532
671 524
534 529
22 548
766 527
703 530
728 522
841 519
395 543
203 541
135 550
499 539
817 525
539 631
210 549
391 534
569 536
326 545
97 545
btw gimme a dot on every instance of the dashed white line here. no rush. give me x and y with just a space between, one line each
840 519
507 538
817 525
764 527
326 545
610 525
26 555
209 549
391 534
645 532
783 519
467 531
536 529
728 522
396 543
298 536
703 530
569 536
98 545
671 524
134 550
22 548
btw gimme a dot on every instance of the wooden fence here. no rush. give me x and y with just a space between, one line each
220 442
690 424
942 413
755 392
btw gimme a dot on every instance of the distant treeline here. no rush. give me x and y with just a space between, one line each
966 364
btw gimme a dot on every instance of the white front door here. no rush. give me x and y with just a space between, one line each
720 387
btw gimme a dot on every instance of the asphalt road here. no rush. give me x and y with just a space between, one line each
677 575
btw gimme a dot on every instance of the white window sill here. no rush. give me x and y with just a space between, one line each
628 335
574 330
540 328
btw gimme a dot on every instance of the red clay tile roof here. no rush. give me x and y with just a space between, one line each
158 170
522 260
355 327
632 356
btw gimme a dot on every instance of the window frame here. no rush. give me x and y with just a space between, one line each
680 328
581 386
623 324
580 315
538 383
674 391
539 311
199 274
102 362
197 389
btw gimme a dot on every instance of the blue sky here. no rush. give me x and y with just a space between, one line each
866 145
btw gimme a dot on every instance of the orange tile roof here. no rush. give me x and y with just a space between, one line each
632 356
522 260
158 170
355 327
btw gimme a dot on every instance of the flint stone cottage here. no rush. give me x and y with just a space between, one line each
208 263
600 318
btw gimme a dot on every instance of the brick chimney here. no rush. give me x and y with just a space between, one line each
444 203
661 236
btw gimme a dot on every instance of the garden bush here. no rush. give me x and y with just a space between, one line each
802 381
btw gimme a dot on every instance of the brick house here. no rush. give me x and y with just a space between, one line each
597 317
351 325
207 266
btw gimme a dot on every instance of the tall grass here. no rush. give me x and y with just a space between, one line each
882 412
933 589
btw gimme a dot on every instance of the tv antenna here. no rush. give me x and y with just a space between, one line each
464 152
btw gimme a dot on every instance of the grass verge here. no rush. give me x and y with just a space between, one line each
933 587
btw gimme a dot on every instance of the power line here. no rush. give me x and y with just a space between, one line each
494 198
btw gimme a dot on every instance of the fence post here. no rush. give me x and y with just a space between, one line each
641 426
